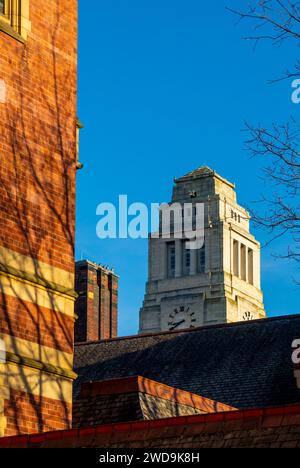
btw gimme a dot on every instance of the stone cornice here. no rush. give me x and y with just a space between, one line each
48 368
34 280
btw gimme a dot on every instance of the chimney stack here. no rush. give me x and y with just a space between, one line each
97 303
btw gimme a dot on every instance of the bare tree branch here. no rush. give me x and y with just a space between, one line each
277 21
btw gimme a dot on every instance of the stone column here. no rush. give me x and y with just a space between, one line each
247 264
240 260
256 268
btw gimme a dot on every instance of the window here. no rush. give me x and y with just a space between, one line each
243 262
14 17
186 260
171 259
236 217
4 10
201 260
236 259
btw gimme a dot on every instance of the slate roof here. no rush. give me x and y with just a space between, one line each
245 365
136 398
200 171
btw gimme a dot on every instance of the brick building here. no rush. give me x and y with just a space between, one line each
225 385
246 365
38 63
265 428
221 386
97 304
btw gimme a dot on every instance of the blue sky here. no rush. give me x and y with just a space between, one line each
164 87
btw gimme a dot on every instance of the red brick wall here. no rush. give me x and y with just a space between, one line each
108 291
29 414
37 182
87 304
114 287
30 322
38 125
97 304
271 428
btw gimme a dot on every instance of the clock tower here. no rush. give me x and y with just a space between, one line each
217 283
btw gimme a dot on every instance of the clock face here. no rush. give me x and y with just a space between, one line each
181 319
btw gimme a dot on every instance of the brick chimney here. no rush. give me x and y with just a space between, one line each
97 304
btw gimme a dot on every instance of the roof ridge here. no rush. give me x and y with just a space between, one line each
201 172
194 330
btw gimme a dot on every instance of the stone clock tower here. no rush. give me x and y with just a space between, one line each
218 283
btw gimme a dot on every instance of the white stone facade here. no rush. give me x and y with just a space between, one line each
217 284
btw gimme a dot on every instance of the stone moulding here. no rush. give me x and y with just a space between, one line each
37 281
48 368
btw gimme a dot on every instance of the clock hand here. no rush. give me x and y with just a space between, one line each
177 325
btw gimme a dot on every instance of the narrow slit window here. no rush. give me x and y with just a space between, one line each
201 260
236 259
171 259
186 260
